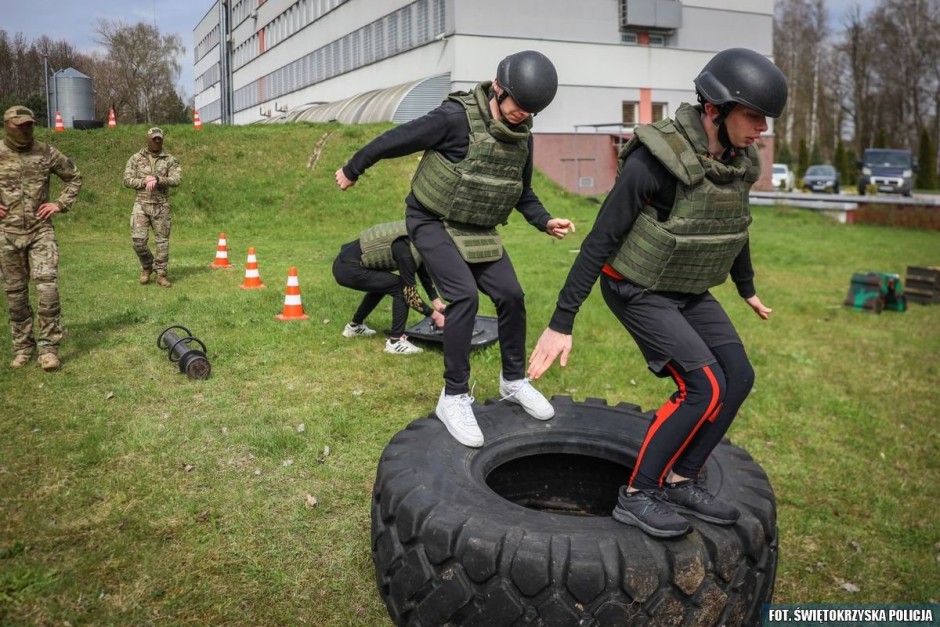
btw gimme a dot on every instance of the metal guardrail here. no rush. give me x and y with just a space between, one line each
812 200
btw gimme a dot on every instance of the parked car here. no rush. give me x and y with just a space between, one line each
889 170
782 177
821 178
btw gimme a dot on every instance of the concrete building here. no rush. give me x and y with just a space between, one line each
620 63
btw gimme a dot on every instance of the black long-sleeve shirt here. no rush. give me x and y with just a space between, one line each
446 130
644 180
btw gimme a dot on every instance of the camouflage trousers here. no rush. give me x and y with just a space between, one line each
157 217
35 256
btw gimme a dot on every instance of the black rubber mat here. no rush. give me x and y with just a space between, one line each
484 332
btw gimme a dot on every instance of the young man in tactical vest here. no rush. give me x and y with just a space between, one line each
477 167
673 226
368 265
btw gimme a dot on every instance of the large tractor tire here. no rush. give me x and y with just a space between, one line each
519 532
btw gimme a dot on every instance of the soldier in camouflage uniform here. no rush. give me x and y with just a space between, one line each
152 172
28 248
675 225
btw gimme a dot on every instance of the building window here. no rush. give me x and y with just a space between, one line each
439 18
407 28
392 21
424 25
642 38
629 110
660 111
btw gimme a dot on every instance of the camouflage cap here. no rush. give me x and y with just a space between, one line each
18 114
155 132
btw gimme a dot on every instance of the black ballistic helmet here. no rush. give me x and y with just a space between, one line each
742 76
530 78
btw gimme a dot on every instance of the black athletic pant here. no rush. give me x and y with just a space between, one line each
376 284
690 338
459 283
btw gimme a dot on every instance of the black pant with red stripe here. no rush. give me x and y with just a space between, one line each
691 339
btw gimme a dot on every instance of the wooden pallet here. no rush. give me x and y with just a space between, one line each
922 285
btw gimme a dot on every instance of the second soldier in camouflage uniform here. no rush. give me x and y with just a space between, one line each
28 245
152 172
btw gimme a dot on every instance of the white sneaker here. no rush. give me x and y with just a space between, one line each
522 393
402 347
358 331
455 411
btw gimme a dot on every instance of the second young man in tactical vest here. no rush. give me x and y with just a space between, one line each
368 264
674 225
476 168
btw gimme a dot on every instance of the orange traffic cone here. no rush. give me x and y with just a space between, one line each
112 121
197 123
221 254
252 278
59 126
293 309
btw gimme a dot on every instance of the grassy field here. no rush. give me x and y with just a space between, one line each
130 494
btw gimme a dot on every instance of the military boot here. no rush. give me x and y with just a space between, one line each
145 276
162 281
20 360
49 362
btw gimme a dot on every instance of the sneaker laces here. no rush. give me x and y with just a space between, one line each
656 502
524 387
464 411
697 493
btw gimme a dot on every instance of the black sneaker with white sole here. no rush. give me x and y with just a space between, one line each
691 497
648 510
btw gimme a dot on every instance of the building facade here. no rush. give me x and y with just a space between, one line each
620 63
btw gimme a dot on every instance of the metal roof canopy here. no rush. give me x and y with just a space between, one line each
399 103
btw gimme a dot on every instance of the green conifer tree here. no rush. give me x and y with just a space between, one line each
841 162
927 162
815 155
803 159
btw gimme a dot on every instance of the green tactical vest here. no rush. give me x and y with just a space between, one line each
376 244
483 188
693 250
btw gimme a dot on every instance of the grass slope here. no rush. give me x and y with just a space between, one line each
132 495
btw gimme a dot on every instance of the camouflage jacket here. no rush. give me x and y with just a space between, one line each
164 167
24 185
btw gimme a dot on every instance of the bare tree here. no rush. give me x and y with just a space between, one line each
23 69
800 51
140 70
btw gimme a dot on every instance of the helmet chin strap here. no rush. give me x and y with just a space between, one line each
719 122
723 136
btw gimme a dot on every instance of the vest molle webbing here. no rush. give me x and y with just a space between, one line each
483 188
694 248
376 244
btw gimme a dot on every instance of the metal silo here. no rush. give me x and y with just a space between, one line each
72 95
